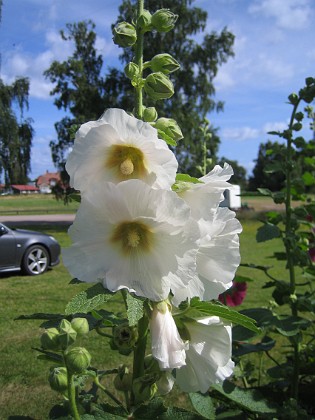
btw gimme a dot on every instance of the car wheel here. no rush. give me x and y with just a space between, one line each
35 260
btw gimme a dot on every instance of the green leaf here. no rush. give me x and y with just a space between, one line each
203 405
264 191
176 413
266 344
267 232
199 309
169 140
273 167
308 178
291 325
153 410
88 300
134 309
250 400
188 178
243 279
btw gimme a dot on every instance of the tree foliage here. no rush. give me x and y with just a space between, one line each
81 88
16 132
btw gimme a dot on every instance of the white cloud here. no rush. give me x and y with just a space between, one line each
240 133
274 126
288 14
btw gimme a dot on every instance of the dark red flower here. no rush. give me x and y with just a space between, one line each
235 295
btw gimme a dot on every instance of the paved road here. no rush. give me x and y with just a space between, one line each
41 218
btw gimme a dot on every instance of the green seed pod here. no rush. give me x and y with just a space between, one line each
164 63
125 34
144 388
158 86
123 381
58 380
67 335
81 326
131 70
150 114
163 20
50 339
144 21
124 338
77 359
170 127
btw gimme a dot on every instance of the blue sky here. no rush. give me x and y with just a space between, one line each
274 53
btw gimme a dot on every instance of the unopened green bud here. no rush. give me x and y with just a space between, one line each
164 63
169 127
293 98
58 380
131 70
163 20
50 339
67 335
144 21
309 81
125 34
77 359
144 388
151 365
297 126
123 380
81 326
158 86
124 338
165 383
150 114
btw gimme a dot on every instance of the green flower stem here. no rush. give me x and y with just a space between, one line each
139 62
72 397
139 352
289 251
109 394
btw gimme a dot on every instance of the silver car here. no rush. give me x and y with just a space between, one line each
31 252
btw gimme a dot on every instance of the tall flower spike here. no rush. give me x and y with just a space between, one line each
208 359
132 236
119 147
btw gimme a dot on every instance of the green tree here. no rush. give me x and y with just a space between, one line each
81 88
16 132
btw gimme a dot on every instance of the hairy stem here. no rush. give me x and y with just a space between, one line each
139 62
72 397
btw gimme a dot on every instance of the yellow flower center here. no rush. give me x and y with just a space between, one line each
132 236
128 162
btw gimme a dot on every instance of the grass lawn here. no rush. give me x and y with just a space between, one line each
34 204
24 390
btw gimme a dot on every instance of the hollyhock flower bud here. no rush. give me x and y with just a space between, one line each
163 20
131 70
165 383
50 339
124 338
144 21
158 86
144 388
150 114
170 127
167 346
77 359
164 63
58 380
123 381
125 34
67 335
80 325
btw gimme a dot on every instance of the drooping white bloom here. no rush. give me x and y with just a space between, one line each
167 346
132 236
218 255
208 359
119 147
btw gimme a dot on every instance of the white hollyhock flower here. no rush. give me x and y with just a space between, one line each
208 359
132 236
119 147
167 346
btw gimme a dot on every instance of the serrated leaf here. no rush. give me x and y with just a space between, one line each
153 410
200 309
267 232
203 405
134 309
176 413
250 400
88 300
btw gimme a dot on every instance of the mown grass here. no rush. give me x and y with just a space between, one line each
23 381
34 204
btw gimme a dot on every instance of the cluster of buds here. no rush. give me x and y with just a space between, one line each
157 85
76 359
